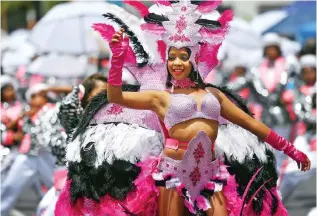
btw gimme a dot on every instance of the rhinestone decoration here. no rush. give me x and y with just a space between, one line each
195 176
181 24
115 109
199 153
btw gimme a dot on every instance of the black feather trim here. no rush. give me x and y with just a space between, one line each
155 19
141 55
88 181
212 24
244 172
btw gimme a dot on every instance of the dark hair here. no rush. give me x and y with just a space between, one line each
194 76
89 84
142 56
275 46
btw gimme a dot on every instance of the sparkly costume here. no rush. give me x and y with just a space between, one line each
9 112
69 113
35 160
303 100
242 168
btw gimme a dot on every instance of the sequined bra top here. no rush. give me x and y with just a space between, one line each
183 108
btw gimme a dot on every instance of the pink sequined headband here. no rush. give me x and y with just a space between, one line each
180 27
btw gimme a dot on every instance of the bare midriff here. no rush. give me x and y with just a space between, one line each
186 131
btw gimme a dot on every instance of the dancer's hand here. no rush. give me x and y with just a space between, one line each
279 143
302 160
119 47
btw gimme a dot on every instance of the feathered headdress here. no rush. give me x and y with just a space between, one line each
181 24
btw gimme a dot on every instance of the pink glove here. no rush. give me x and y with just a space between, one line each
279 143
119 51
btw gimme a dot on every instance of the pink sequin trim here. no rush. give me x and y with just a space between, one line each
176 38
184 83
181 23
115 109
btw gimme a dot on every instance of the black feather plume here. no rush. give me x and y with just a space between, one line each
140 53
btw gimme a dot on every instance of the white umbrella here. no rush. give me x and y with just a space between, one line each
264 21
59 66
12 59
17 38
66 28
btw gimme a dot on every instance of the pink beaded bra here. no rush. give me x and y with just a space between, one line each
183 108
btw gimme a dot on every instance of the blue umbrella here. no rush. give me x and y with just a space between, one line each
306 31
299 13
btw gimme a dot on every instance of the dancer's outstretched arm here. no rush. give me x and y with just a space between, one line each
235 115
147 100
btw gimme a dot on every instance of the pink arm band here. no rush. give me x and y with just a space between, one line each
119 51
279 143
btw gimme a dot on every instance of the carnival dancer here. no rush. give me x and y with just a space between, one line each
275 71
69 112
250 87
11 133
34 162
303 100
190 175
107 174
102 157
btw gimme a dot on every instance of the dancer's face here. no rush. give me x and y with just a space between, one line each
309 75
38 100
272 52
8 93
178 63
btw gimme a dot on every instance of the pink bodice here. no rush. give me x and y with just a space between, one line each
183 108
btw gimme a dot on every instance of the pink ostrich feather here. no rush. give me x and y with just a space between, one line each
161 46
226 17
248 186
213 39
153 28
106 31
162 2
142 8
208 6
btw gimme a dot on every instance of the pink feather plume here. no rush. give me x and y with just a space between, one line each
153 28
208 6
162 2
142 8
226 17
106 31
249 185
161 46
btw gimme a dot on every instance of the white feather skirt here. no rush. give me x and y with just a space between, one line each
238 143
128 142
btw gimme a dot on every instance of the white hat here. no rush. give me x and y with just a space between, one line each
34 90
308 61
271 39
6 80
